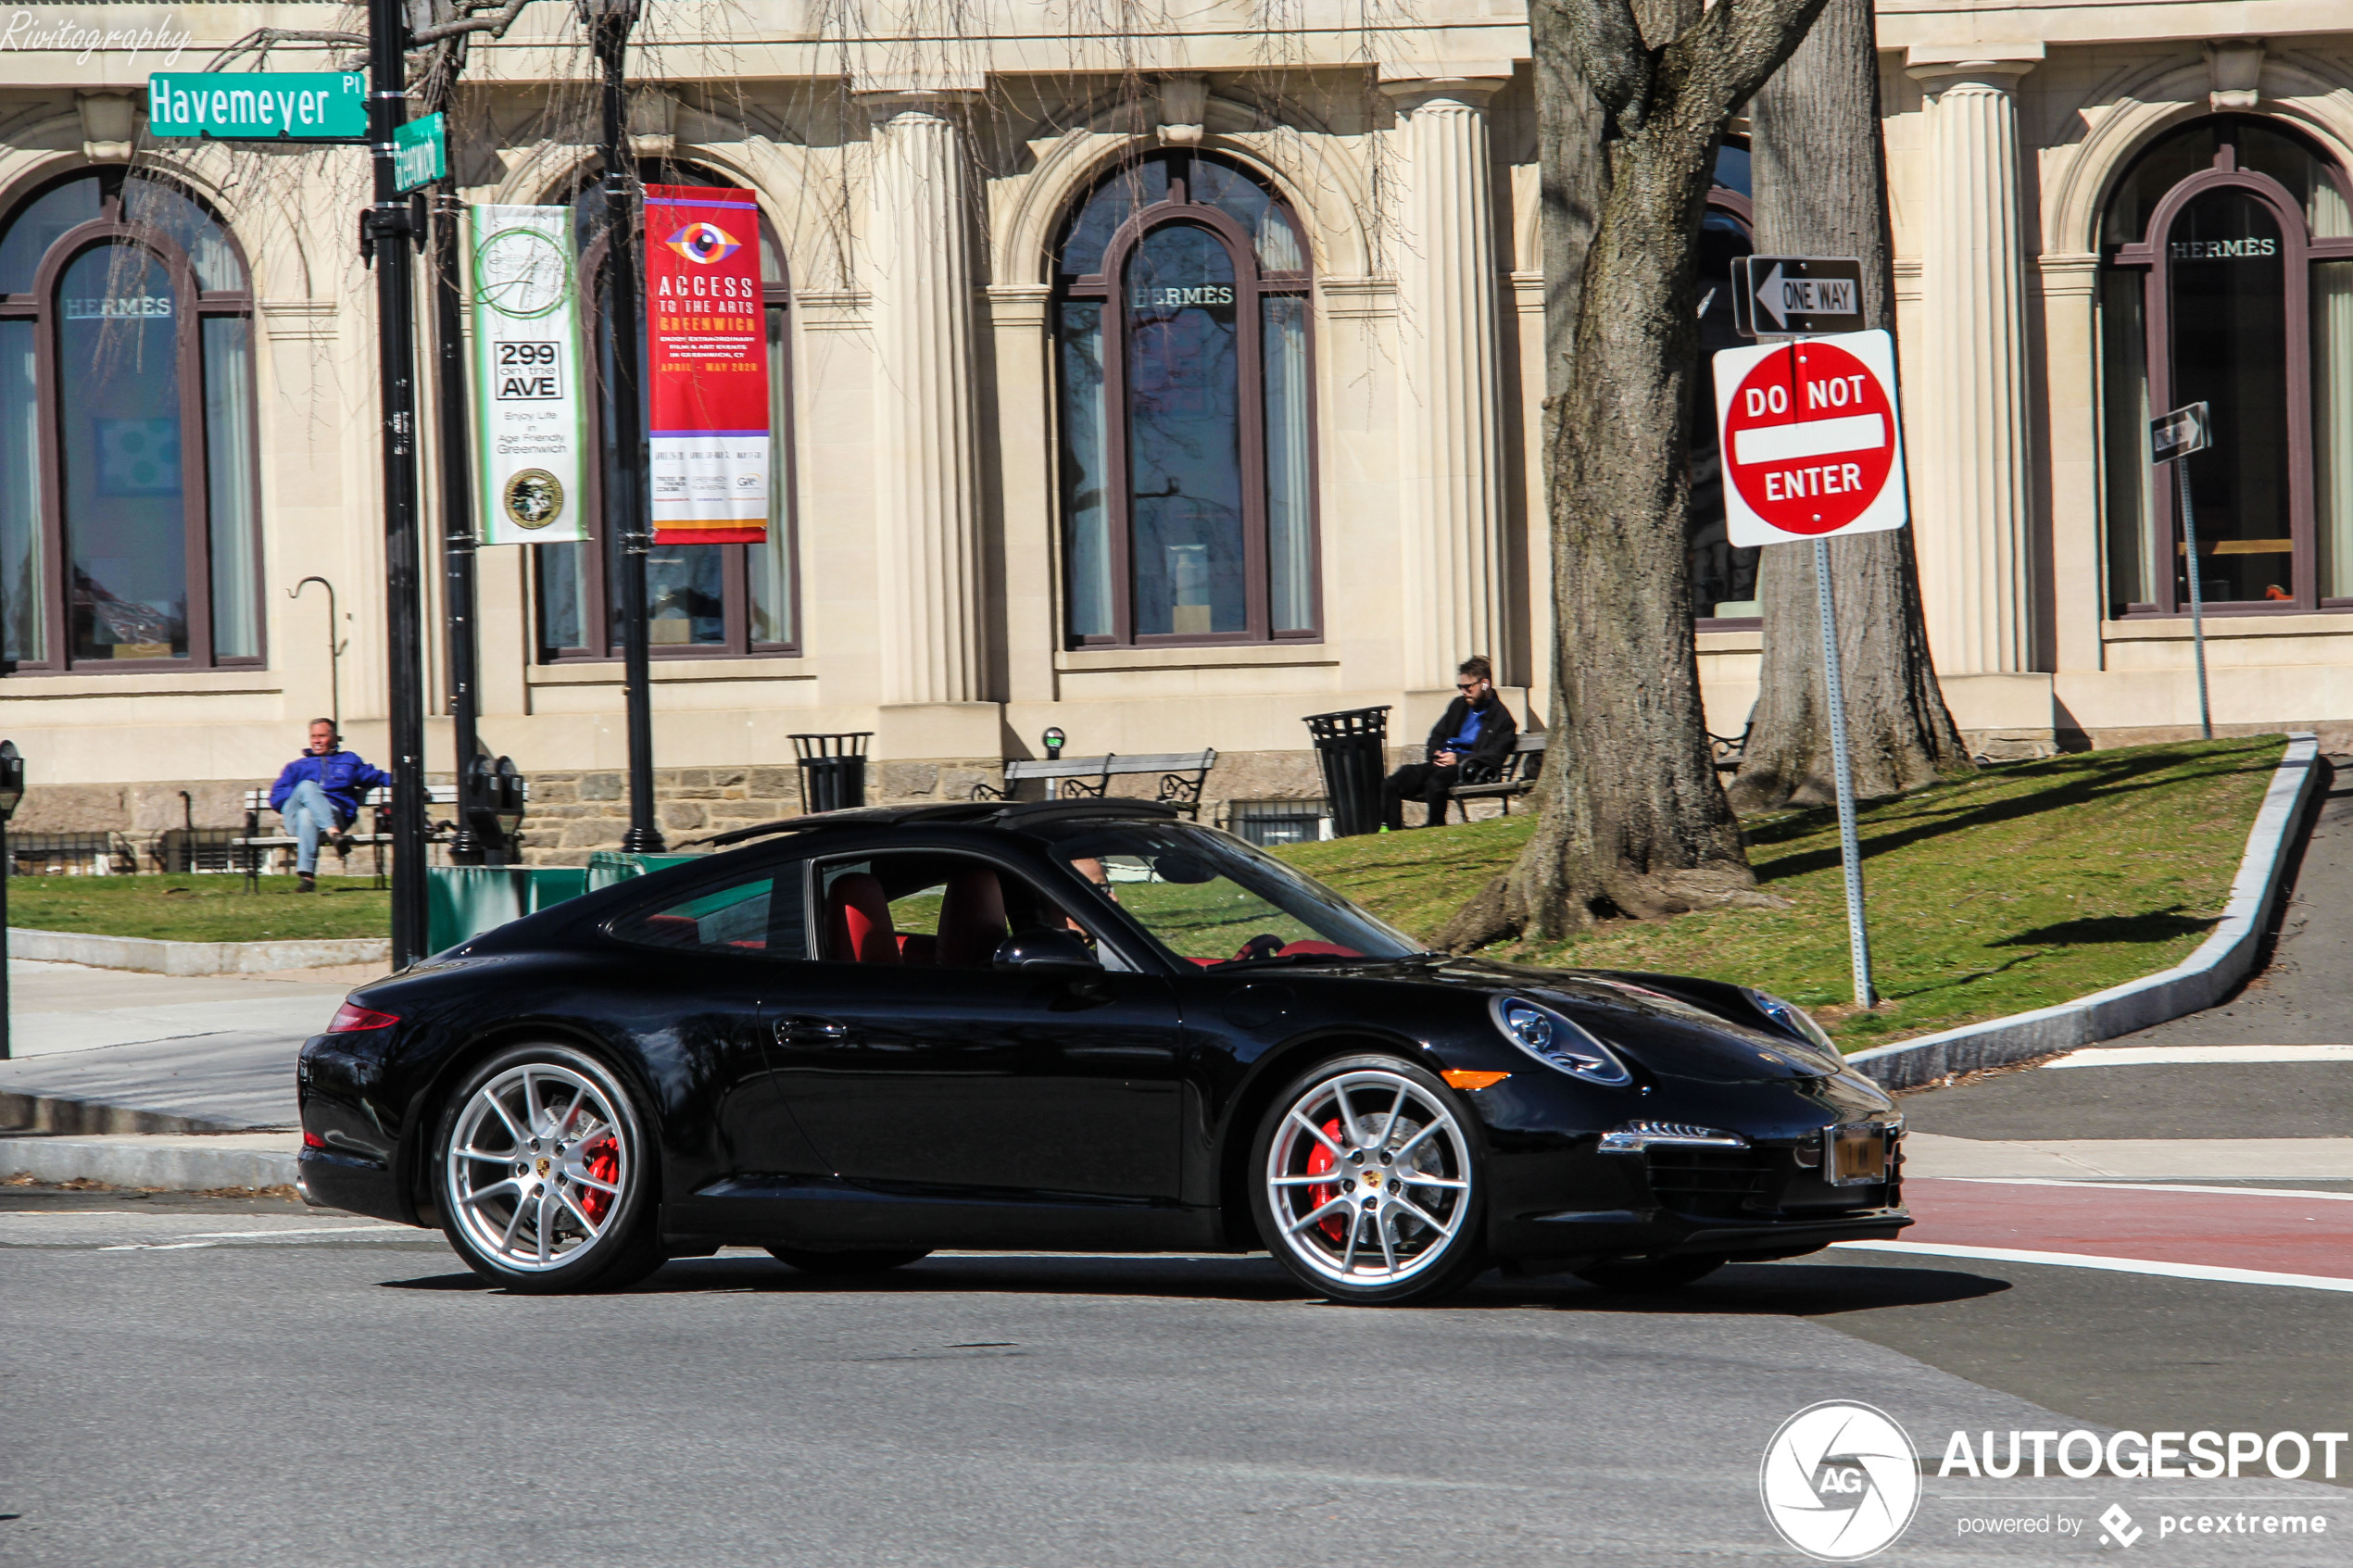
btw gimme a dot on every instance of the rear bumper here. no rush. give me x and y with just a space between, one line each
335 1181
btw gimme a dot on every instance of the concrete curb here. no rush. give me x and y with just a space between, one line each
174 1165
155 955
2199 981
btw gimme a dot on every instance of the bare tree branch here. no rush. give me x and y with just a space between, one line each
496 25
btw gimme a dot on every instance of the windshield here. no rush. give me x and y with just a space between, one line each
1209 898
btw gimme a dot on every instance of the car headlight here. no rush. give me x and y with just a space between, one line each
1556 1042
1633 1136
1796 1021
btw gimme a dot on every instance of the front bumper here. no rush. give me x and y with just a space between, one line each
1769 1200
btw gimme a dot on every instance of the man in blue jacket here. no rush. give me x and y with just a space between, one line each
318 795
1475 728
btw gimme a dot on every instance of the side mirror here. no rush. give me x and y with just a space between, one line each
1047 953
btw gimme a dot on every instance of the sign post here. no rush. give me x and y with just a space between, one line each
297 106
1813 446
2172 437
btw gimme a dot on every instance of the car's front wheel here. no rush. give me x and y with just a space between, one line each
1368 1184
544 1174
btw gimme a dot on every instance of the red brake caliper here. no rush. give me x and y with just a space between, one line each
604 1164
1319 1160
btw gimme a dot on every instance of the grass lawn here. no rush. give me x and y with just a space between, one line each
199 908
2020 887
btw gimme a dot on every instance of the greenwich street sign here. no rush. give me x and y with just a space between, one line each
420 153
311 105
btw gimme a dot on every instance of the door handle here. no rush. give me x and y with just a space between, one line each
804 1031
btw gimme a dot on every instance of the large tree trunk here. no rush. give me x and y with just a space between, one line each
1634 820
1820 176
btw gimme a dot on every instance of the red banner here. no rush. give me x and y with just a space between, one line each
706 360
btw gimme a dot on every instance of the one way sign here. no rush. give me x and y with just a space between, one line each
1796 296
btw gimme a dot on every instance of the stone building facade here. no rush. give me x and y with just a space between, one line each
1161 379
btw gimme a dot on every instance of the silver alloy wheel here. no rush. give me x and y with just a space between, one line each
537 1167
1368 1178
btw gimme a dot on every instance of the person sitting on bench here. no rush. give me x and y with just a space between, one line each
1477 727
317 795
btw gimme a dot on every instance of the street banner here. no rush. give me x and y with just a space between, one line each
706 366
530 411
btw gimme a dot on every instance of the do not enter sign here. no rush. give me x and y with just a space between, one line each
1812 442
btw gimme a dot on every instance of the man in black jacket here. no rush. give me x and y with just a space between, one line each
1477 728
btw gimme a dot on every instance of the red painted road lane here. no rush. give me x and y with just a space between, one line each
2235 1230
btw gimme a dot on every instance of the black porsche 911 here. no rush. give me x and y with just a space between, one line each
1078 1026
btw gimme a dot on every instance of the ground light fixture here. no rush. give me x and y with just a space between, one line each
11 796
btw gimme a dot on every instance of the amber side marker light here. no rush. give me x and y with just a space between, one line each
1464 1078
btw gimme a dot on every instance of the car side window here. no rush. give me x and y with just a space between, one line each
930 909
757 916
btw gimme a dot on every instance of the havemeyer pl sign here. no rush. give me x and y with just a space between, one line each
1812 438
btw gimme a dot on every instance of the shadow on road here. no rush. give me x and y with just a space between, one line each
1759 1289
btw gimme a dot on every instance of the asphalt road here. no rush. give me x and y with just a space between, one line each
247 1383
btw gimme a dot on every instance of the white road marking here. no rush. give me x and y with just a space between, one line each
2113 1265
2146 1186
2190 1056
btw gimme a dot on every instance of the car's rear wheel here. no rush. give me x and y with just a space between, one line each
1651 1272
1366 1183
872 1261
547 1181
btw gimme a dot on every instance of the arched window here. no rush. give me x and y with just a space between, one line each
2228 281
127 496
1187 412
701 600
1723 578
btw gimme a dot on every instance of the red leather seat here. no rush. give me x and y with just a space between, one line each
971 919
858 922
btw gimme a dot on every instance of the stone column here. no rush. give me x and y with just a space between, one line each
1975 489
927 475
1452 484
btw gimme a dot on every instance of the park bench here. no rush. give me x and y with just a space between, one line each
1515 775
1182 774
255 851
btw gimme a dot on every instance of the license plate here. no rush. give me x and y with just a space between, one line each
1856 1155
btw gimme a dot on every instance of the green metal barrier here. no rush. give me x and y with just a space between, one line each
608 866
464 901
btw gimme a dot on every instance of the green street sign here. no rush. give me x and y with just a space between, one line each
309 106
420 153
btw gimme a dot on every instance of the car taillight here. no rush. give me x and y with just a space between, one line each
312 1140
350 1018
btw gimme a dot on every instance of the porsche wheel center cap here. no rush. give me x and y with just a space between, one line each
543 1163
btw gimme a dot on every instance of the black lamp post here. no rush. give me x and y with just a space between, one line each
11 793
608 22
388 232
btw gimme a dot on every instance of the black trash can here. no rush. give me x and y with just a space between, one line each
833 770
1354 748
